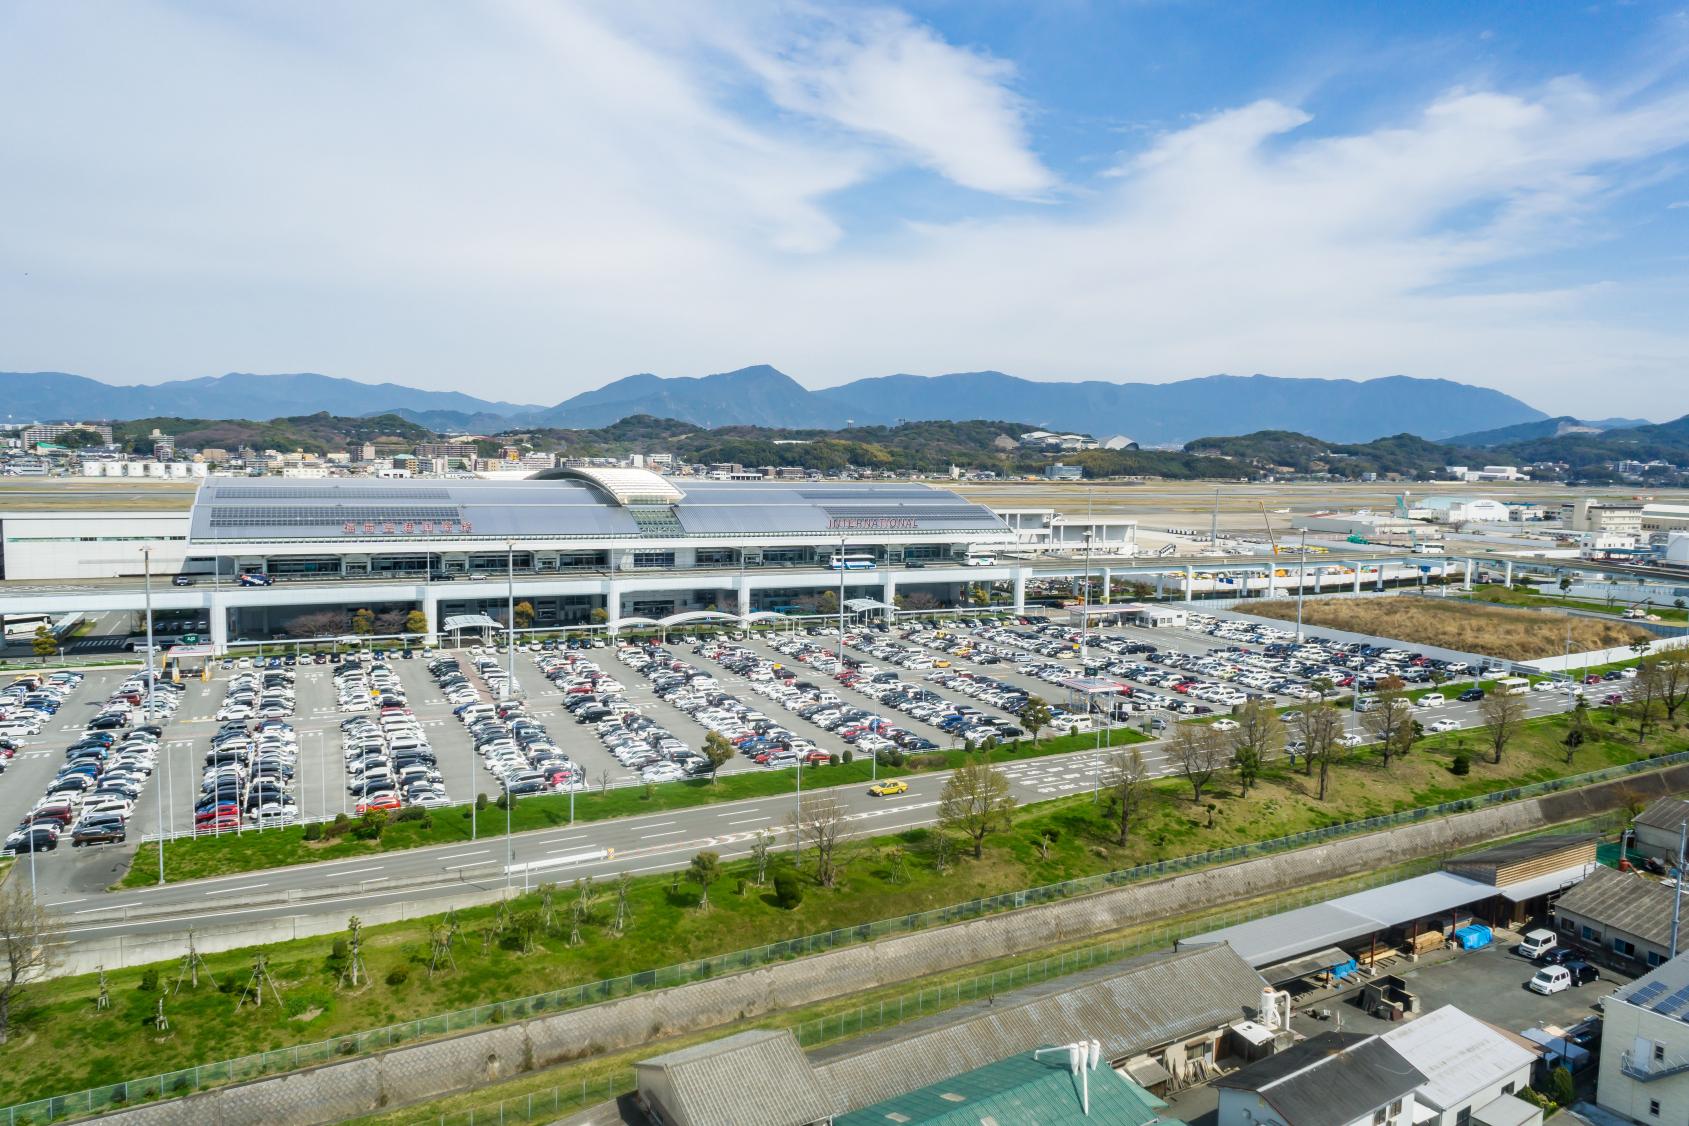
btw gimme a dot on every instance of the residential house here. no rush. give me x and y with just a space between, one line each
1333 1079
1644 1072
1467 1064
1658 830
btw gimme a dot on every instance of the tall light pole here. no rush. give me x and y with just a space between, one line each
146 559
510 619
841 598
509 844
797 818
1085 606
1301 583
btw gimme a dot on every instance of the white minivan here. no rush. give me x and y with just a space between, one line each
1536 943
1550 979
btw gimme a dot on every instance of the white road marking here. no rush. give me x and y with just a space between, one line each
670 833
748 821
243 887
459 855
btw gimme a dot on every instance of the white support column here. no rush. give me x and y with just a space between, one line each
613 606
888 595
1020 590
1190 580
218 618
1507 580
743 587
1466 567
431 611
1357 578
1108 583
1160 583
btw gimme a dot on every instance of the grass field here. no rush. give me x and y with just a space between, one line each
1494 631
245 852
64 1043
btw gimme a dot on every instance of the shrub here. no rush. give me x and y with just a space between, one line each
788 892
480 802
370 825
314 831
832 758
398 975
149 981
412 813
339 827
849 756
1561 1088
1462 763
339 952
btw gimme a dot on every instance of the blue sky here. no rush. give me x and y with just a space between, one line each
528 198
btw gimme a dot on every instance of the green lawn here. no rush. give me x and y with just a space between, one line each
251 851
64 1043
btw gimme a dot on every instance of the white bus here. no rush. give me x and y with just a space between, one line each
981 557
1512 685
853 563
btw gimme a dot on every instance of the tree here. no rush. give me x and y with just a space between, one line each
827 602
1128 782
788 893
1034 716
598 616
704 870
976 802
1258 737
30 941
1642 699
80 438
719 751
522 614
1577 727
1199 752
821 823
44 643
416 622
317 623
363 622
1502 713
1672 668
1384 722
1321 726
1565 585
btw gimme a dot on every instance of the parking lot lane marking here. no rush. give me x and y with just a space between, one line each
243 887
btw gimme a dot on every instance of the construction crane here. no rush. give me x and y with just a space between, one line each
1268 522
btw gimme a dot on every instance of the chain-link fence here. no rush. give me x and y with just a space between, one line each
188 1080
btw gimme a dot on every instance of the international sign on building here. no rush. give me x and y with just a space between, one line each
874 523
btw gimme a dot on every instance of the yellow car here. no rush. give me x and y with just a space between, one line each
886 789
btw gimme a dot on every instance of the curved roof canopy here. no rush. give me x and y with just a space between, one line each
623 485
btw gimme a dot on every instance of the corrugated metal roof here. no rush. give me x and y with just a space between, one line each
1275 938
756 1078
1549 881
1458 1054
1329 1080
1527 849
1019 1091
1666 813
1130 1007
1624 901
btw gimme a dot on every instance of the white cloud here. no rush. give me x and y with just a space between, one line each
525 200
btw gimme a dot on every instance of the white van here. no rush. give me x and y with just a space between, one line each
1536 943
1550 979
1433 700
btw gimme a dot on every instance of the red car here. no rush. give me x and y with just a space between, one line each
379 801
225 824
225 809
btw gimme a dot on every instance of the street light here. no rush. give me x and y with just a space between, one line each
146 559
841 598
1301 583
510 619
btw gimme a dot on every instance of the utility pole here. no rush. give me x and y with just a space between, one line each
1301 583
1085 607
1677 892
510 620
1214 522
840 653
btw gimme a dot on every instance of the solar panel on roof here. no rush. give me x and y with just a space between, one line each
1647 993
1674 1002
305 517
321 492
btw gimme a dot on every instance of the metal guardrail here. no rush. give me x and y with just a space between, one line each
188 1080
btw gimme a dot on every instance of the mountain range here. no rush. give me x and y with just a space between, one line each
1336 410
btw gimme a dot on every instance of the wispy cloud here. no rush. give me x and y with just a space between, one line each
527 199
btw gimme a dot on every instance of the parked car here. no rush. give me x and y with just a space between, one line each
1582 972
1550 979
1536 943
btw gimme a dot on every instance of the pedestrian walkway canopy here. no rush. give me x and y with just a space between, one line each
469 621
861 605
1277 938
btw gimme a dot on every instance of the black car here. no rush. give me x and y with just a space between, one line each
1556 956
98 832
1470 695
1582 972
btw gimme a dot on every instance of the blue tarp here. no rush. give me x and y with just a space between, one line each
1473 937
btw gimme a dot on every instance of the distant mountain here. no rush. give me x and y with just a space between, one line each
753 396
1338 410
1665 441
1335 410
54 395
1556 427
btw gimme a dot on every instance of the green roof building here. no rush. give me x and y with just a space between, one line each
1022 1090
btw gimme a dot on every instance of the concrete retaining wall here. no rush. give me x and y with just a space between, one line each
418 1072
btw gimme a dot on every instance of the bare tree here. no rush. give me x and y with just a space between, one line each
1128 783
1199 751
30 938
821 824
1644 697
1383 723
1321 726
1258 737
976 802
1502 713
1672 669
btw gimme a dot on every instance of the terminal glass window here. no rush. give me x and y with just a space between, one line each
303 565
785 555
398 564
717 557
653 559
523 561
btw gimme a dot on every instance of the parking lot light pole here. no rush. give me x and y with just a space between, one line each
510 620
509 842
146 557
1301 583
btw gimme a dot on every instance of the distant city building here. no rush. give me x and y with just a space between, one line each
1664 517
1060 472
1487 473
52 431
1063 443
172 470
1463 510
1119 442
459 451
163 445
1590 515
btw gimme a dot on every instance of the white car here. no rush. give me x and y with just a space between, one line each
1432 700
1350 740
1444 725
1225 725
